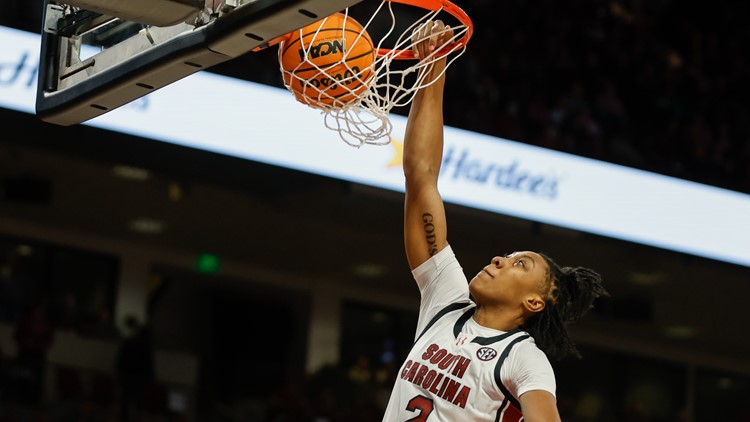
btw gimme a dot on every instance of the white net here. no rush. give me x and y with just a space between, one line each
356 101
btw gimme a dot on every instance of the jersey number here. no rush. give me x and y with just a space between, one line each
420 404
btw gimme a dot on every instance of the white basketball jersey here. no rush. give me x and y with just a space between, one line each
455 369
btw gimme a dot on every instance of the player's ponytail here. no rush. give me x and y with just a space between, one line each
574 294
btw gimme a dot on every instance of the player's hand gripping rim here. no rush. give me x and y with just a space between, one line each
427 38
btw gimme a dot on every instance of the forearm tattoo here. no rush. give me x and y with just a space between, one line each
429 231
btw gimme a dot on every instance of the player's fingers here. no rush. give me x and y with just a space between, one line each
447 34
436 31
422 39
417 37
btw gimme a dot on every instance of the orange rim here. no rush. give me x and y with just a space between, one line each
434 5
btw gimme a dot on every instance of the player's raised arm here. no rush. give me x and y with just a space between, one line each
425 230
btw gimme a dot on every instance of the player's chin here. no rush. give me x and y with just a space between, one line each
475 289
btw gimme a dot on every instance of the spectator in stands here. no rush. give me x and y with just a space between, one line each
135 368
34 336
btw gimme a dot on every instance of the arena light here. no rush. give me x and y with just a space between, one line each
147 225
131 173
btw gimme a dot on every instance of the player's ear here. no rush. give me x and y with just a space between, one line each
534 303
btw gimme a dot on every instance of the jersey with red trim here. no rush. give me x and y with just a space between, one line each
458 370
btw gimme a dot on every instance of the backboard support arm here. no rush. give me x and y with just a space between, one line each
93 62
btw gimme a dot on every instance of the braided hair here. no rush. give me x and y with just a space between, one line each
572 291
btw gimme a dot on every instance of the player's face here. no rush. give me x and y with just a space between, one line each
510 279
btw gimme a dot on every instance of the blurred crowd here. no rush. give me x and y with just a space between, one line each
658 85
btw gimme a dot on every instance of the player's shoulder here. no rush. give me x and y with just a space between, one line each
527 350
527 367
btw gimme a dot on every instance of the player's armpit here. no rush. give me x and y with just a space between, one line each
539 406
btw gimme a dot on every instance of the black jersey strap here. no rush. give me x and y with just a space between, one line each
459 325
501 409
500 360
461 321
450 308
489 340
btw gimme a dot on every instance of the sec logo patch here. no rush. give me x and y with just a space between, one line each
486 353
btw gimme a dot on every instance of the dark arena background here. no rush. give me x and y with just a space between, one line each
248 291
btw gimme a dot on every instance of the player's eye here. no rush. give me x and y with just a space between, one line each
520 262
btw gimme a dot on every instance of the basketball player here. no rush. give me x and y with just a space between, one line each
482 347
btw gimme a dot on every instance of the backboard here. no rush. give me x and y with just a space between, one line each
97 55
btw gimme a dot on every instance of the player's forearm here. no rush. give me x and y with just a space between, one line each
423 148
539 406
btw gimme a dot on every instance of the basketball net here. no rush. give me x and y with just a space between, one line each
365 118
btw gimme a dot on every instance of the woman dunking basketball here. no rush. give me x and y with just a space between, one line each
482 348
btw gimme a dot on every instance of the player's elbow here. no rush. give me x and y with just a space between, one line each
420 173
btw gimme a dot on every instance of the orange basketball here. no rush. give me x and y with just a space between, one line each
328 63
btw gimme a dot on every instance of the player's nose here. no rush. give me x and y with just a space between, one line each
498 261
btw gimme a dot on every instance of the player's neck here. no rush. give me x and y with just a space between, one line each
498 318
